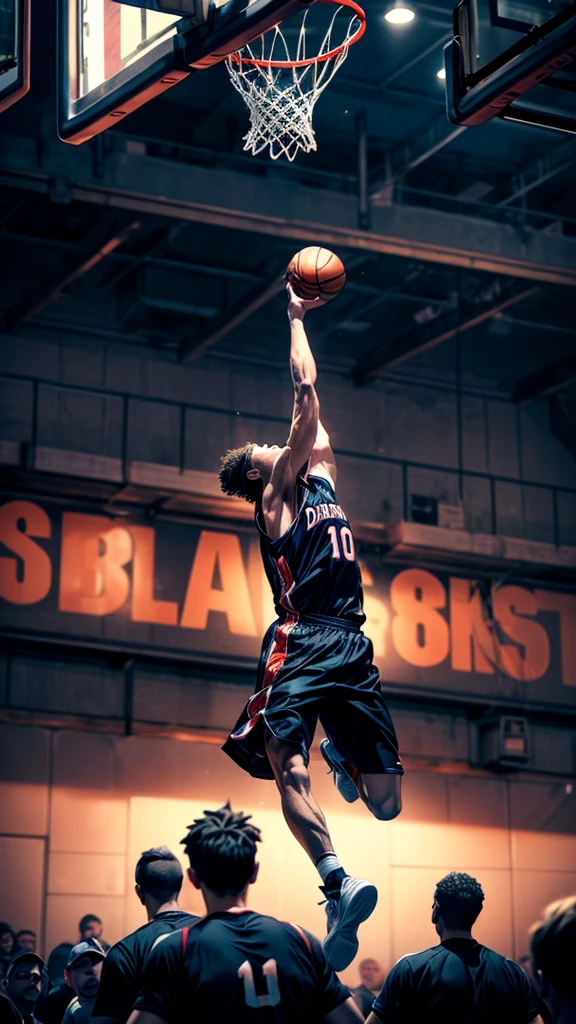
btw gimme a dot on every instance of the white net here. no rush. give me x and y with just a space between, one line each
281 100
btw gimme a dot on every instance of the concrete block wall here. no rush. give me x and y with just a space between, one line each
228 404
77 809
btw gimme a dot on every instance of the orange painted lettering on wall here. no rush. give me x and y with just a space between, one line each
95 550
565 607
474 646
529 656
24 579
219 552
145 607
419 631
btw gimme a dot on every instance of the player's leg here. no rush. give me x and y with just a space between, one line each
361 748
349 901
303 815
382 794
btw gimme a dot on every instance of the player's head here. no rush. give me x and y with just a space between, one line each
221 848
244 471
553 949
158 876
457 902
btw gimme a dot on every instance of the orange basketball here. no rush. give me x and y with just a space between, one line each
316 273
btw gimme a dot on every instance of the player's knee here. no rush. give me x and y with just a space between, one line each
294 775
388 808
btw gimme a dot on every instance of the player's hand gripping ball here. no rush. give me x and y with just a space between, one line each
316 273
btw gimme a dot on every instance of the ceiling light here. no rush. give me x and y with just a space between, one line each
441 74
399 15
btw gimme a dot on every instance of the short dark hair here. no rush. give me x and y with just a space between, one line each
158 872
233 474
86 920
26 931
460 899
221 847
553 946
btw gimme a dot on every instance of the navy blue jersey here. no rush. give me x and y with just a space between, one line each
312 568
243 967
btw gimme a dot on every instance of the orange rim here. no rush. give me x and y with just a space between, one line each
310 60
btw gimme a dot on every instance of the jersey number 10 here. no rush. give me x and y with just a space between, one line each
342 540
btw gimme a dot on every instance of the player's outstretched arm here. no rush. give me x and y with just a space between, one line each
305 415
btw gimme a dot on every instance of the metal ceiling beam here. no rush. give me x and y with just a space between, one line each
221 325
406 158
35 300
415 342
546 381
542 170
306 215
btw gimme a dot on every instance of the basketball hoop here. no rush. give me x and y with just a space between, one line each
281 90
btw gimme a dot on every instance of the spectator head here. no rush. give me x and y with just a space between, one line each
7 940
90 927
372 974
158 876
457 903
23 980
553 949
221 848
26 939
57 962
82 972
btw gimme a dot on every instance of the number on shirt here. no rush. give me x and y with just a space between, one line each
342 539
270 972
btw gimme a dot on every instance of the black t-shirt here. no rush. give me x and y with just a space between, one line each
459 980
9 1013
122 970
50 1008
242 967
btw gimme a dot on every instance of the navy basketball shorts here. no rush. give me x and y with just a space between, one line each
316 668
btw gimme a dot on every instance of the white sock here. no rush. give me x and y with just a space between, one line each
327 864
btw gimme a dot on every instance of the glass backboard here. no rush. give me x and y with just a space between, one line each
14 51
514 59
115 56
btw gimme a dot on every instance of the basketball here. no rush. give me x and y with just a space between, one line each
316 273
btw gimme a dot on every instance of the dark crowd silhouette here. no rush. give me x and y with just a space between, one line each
236 965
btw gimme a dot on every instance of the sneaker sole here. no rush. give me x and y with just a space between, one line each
345 786
341 947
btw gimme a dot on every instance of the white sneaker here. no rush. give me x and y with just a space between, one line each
344 782
356 902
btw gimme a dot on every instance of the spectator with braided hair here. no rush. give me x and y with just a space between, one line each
234 962
458 980
553 948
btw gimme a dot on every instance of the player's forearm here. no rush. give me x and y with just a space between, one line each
302 363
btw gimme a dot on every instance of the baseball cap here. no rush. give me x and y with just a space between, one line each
24 956
85 948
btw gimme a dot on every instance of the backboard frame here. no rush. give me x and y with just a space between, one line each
195 44
19 84
474 96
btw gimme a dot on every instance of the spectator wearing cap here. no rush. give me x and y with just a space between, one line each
23 982
27 939
159 880
459 979
553 950
82 973
90 927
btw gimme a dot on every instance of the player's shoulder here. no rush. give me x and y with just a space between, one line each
419 959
